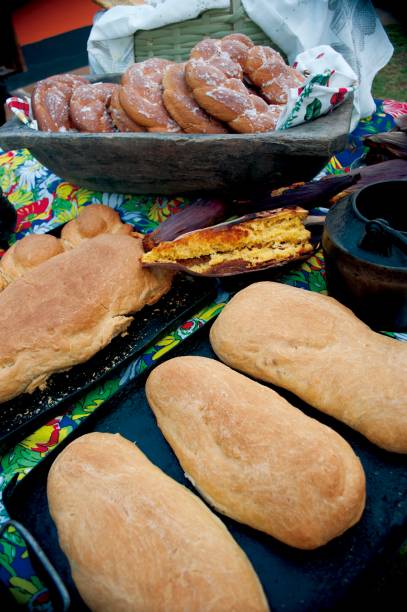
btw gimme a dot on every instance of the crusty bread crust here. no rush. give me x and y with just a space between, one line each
137 541
254 456
93 220
71 306
26 254
317 348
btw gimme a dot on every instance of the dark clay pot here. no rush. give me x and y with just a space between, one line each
365 247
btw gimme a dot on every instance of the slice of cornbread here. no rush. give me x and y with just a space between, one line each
254 241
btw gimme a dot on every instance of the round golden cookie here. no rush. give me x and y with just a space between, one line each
266 68
50 101
225 96
89 107
120 118
183 108
141 96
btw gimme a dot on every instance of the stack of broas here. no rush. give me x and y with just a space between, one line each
227 85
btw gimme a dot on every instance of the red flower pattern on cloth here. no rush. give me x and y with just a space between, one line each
339 96
26 214
395 109
187 325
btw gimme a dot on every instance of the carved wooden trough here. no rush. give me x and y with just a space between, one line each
151 163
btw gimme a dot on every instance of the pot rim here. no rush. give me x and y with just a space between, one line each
355 195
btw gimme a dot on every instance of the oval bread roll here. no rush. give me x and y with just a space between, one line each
254 456
137 540
317 348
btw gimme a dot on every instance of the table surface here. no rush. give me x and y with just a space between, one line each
43 202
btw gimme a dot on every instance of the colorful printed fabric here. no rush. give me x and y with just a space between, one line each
381 121
43 202
21 107
330 81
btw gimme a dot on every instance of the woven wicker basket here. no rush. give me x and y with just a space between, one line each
175 41
107 4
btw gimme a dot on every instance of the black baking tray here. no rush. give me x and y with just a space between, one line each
22 414
338 576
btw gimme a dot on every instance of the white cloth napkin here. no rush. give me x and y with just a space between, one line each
330 82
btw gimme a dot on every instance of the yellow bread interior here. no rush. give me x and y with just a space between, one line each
254 257
257 240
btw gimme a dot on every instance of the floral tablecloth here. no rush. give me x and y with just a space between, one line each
43 202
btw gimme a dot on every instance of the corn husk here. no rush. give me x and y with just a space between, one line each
201 213
306 195
384 171
389 145
326 191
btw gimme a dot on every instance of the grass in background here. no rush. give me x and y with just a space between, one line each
391 81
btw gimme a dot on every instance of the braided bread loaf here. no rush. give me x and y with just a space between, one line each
215 75
120 118
89 107
266 68
141 96
51 99
182 107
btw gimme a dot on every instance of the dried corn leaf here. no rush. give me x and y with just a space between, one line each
202 213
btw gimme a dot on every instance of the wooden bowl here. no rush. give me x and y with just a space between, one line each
151 163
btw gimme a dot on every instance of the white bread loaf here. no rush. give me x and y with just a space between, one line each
137 541
254 456
93 220
26 254
318 349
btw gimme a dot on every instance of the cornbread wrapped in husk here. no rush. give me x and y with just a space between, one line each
253 242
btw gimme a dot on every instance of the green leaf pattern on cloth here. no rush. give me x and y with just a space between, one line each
313 110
